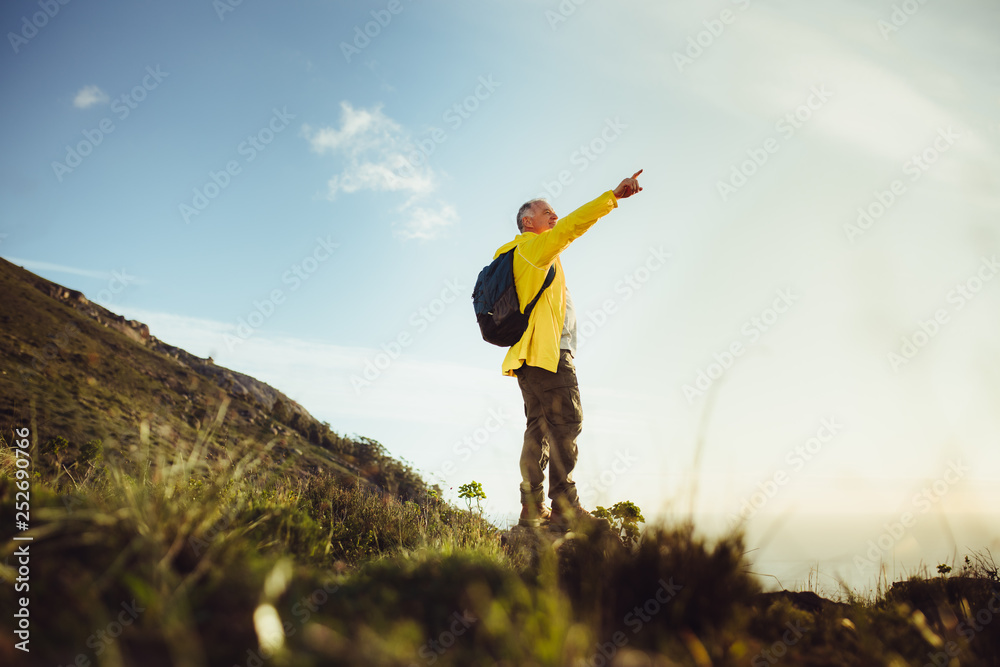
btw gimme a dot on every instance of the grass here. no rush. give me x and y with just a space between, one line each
176 522
226 559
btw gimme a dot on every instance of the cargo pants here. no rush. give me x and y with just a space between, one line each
554 420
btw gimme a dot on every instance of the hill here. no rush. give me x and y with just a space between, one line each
156 509
87 379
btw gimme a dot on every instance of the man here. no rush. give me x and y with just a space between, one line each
542 360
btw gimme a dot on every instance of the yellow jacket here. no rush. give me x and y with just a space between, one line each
539 346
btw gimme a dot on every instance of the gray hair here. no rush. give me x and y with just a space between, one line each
521 212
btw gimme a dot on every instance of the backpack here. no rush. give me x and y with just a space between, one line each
495 301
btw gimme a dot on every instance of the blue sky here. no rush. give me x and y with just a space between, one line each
261 184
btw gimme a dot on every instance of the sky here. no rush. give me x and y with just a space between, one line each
791 327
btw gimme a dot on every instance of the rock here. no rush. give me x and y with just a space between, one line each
801 600
524 545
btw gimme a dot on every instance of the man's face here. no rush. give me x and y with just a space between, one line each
542 218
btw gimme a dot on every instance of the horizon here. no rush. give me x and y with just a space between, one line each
800 300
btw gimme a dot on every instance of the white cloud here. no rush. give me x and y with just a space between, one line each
427 223
375 149
33 265
89 96
380 156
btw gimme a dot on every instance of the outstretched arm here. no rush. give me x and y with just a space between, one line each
628 187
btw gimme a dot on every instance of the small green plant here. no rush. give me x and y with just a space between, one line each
943 569
624 518
55 447
91 452
470 491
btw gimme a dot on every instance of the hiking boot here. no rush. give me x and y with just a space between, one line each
534 515
565 517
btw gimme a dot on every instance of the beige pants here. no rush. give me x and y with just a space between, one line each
555 417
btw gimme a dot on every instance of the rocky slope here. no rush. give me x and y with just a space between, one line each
77 373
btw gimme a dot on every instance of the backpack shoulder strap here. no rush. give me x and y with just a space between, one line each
548 281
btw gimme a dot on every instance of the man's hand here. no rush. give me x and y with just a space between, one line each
628 187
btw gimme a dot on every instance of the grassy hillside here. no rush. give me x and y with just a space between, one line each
87 379
181 514
189 561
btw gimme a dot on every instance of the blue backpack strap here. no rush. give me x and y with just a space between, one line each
548 281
